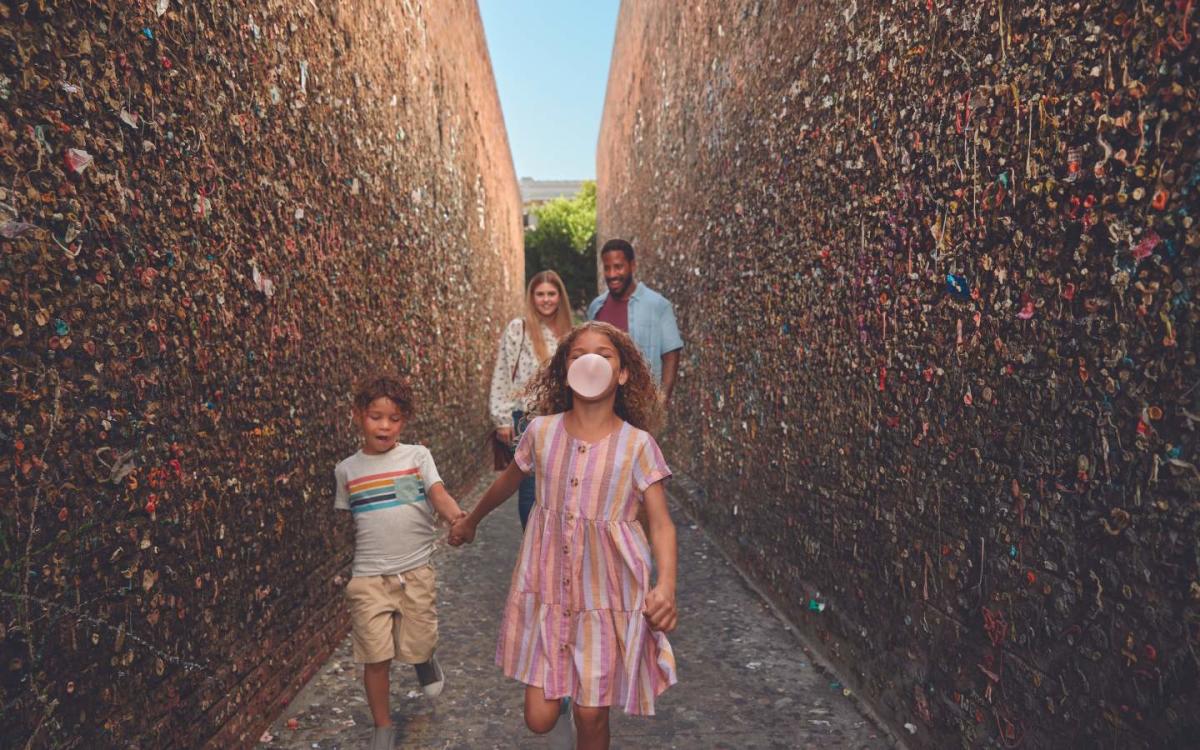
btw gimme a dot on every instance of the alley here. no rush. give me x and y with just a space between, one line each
745 681
920 283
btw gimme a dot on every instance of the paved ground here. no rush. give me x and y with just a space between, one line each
745 681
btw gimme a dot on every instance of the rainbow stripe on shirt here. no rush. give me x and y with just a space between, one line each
387 490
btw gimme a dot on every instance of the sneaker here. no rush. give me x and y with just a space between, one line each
430 675
562 736
384 738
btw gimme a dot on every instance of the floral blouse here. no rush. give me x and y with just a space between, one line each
505 387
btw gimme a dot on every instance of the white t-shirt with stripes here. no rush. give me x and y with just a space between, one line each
395 527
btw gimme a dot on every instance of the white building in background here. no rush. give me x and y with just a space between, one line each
536 192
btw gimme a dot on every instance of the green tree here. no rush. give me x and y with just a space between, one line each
564 240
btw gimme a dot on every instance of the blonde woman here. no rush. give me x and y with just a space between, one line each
527 343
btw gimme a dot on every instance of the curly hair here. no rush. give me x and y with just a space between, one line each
378 386
637 401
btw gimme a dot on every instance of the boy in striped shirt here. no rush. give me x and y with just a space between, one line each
395 496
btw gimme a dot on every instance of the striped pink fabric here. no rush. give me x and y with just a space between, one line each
573 623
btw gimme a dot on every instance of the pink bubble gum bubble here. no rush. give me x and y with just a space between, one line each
589 375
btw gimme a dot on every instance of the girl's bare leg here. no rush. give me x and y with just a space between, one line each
591 728
540 714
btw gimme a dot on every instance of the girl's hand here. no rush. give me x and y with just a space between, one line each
660 609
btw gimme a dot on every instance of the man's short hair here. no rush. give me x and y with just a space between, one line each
377 386
618 244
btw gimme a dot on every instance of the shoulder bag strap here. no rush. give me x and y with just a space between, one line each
520 351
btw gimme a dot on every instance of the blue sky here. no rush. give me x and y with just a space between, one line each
551 59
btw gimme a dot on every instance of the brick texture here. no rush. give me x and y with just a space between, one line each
214 217
935 264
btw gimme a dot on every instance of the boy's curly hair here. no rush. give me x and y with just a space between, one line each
637 401
377 386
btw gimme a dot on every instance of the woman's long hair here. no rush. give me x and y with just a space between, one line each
637 401
562 318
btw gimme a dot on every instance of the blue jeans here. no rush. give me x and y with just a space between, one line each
527 491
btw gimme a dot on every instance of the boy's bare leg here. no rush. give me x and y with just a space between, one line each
375 680
540 714
591 728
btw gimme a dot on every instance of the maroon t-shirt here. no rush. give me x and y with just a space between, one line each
615 312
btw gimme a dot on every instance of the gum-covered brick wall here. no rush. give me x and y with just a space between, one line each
936 266
214 218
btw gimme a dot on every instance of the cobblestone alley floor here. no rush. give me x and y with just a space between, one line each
745 681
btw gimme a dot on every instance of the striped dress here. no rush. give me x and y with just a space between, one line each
573 622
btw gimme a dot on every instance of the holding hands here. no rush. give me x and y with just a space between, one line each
445 506
462 531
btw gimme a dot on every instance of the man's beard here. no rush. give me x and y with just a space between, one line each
621 289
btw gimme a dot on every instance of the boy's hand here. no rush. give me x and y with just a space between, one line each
458 515
462 532
660 609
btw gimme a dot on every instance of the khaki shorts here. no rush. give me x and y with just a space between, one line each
394 616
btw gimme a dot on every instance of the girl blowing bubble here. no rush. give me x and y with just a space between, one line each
582 620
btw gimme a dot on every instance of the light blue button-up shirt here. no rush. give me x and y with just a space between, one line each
651 324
